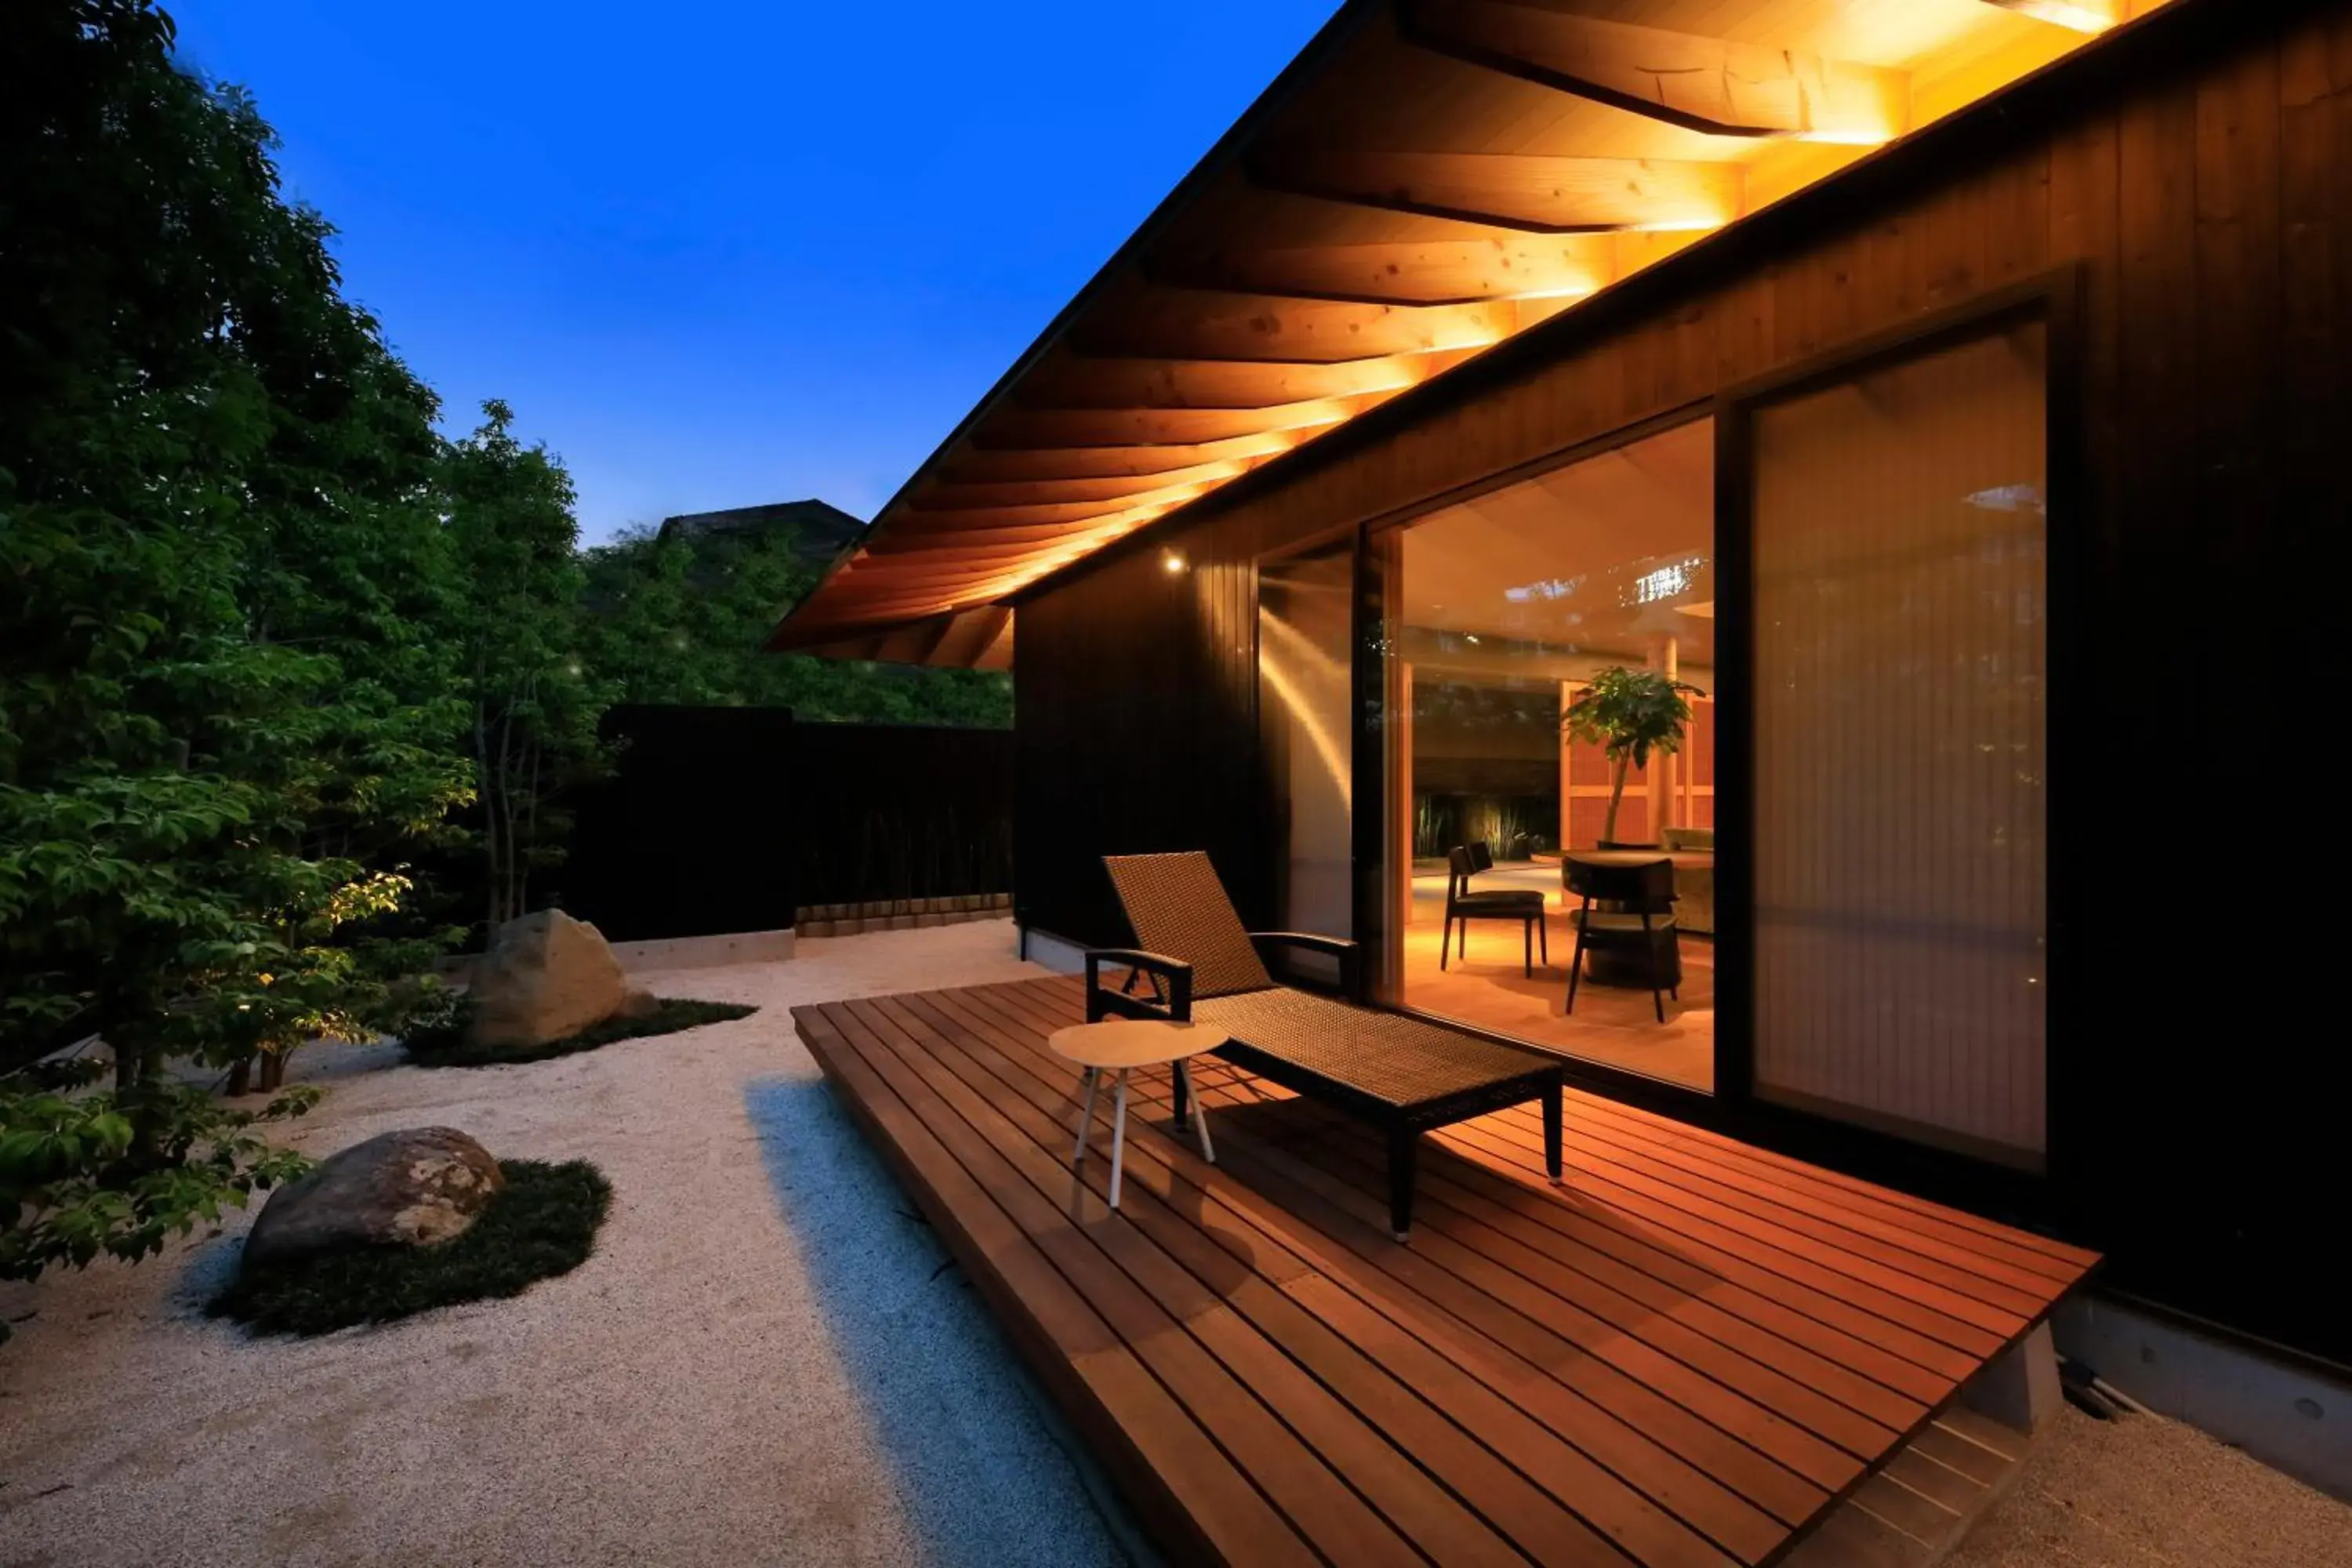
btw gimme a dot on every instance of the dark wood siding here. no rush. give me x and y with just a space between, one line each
2198 173
1139 734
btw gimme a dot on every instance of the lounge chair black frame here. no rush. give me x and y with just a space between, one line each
1403 1074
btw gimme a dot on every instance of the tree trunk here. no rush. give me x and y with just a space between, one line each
240 1077
1616 796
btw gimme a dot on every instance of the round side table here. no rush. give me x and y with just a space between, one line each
1119 1045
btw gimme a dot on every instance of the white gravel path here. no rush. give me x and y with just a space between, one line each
764 1362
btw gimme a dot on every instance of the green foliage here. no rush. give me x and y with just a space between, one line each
440 1041
221 718
682 620
435 1026
532 706
542 1224
1630 713
76 1182
268 643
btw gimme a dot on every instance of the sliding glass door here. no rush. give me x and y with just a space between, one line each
1306 612
1501 610
1899 819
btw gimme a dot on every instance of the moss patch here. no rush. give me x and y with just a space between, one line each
542 1223
445 1046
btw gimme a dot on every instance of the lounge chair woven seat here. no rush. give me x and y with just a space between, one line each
1397 1060
1404 1075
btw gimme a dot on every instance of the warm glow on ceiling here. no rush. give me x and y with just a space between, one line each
1447 175
2082 17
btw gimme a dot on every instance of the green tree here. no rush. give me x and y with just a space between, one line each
684 619
221 718
531 703
1629 713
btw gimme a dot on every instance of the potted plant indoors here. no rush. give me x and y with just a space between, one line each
1629 713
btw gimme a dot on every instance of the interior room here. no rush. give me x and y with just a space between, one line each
1506 608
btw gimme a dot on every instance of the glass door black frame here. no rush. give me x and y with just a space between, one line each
2054 301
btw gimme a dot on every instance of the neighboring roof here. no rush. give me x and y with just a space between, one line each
820 530
1429 178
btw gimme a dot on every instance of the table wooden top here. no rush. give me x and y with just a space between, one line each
1133 1042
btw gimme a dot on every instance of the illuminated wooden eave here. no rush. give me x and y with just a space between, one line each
1428 179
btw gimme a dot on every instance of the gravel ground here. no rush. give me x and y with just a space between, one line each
764 1362
2146 1493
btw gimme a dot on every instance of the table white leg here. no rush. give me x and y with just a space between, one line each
1200 1112
1086 1122
1117 1137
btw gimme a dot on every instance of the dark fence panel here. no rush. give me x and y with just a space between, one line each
730 819
900 812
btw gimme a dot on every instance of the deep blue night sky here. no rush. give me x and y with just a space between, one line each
735 252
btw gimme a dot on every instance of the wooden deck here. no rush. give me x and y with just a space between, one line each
1684 1357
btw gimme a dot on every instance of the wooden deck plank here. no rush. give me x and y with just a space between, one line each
1858 1313
1677 1272
1889 1293
1687 1358
1943 1343
1351 1180
1779 1232
1536 1251
1356 1214
1995 1275
1180 1482
1173 1336
1416 1345
1365 1373
1886 1389
2033 1262
1354 1448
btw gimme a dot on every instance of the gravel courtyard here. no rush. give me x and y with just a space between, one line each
764 1362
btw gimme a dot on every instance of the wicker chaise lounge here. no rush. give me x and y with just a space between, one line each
1404 1076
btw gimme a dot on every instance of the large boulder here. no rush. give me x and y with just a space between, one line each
410 1188
546 976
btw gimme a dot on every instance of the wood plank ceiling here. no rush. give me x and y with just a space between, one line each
1429 178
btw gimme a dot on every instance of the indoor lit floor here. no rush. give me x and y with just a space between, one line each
1612 1024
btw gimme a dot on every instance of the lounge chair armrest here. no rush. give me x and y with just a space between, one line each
1347 953
1172 981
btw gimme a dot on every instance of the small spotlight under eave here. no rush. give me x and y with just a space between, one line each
1172 561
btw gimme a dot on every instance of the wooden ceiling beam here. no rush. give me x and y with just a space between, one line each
851 613
972 635
1089 462
1539 194
950 496
978 542
1432 272
962 519
1031 427
1096 380
1696 83
949 534
1215 324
